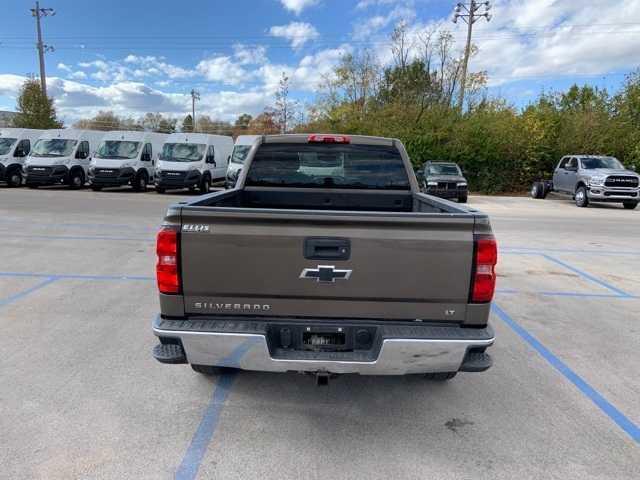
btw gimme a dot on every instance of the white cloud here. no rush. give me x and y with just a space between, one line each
78 75
297 6
222 69
364 29
298 33
250 55
64 67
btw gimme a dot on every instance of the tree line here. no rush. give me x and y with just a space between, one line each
501 148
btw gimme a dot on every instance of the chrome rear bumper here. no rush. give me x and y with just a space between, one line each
396 356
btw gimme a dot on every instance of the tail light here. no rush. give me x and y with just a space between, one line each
167 271
328 139
484 275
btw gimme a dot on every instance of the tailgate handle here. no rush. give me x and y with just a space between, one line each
326 248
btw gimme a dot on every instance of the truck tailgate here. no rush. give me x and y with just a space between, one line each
400 266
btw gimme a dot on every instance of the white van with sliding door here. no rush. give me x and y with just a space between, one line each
61 156
240 152
193 160
15 145
126 158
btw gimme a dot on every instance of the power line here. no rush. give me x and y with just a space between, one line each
42 48
470 14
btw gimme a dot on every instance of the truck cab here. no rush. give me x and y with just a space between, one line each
193 160
126 158
595 178
241 150
15 145
61 156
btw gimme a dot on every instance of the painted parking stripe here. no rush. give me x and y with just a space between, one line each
591 393
56 276
24 293
586 275
525 250
77 237
190 465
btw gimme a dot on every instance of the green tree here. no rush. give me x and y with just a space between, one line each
187 124
35 110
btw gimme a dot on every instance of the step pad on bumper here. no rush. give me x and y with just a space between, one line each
169 353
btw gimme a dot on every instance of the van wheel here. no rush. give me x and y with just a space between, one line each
160 189
440 376
211 370
14 178
581 197
630 205
140 182
205 184
76 179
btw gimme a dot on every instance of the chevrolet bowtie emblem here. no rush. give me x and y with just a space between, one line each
325 274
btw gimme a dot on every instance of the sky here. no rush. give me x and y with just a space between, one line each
138 56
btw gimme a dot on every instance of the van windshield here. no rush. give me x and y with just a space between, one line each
183 152
240 153
53 147
6 144
118 149
329 166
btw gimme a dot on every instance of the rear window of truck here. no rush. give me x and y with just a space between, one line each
327 165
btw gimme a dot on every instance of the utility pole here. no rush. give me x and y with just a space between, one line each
42 48
470 14
194 96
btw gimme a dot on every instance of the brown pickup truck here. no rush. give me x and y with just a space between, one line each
326 259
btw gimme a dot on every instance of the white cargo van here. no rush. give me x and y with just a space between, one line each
240 151
15 145
191 160
126 158
61 156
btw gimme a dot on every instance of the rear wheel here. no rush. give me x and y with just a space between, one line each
581 197
630 205
211 370
440 376
14 178
537 190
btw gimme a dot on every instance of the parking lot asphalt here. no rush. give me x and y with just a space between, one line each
81 396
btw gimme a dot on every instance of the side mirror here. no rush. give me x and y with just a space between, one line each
81 155
211 159
19 152
420 172
145 157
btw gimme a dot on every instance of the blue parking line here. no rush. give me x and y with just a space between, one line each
586 275
591 393
77 237
190 464
108 226
526 250
24 293
78 277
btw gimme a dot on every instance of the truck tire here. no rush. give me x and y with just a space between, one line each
205 184
462 198
14 178
630 205
582 200
160 189
211 370
440 376
76 179
537 190
140 182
